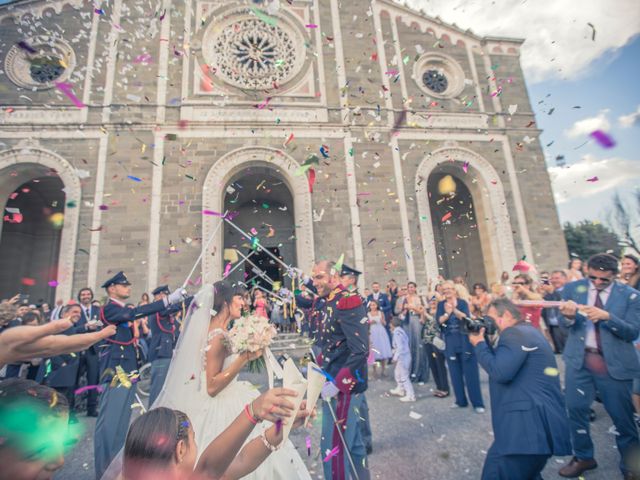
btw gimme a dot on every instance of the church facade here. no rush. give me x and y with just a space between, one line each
320 128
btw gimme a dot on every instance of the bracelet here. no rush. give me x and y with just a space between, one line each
255 417
251 418
271 448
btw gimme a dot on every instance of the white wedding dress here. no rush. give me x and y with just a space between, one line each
214 414
185 389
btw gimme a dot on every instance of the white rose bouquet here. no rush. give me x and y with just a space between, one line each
249 335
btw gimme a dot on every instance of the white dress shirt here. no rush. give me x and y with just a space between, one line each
590 338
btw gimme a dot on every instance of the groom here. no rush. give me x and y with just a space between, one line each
343 339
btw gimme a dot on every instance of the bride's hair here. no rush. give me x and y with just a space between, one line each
152 440
223 293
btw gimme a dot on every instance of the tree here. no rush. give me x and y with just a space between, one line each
586 238
624 222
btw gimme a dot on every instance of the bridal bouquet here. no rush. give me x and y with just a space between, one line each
250 334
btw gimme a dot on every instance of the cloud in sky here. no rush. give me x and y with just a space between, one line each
571 182
558 36
588 125
630 120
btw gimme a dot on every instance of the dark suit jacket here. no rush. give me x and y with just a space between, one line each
527 406
64 368
546 312
95 315
383 303
616 334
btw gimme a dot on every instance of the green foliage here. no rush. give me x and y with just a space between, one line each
587 238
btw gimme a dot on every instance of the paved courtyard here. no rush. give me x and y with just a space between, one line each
443 444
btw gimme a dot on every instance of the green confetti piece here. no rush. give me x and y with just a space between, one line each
264 17
405 60
171 137
72 204
190 177
265 205
351 150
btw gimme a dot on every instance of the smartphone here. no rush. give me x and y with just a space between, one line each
23 298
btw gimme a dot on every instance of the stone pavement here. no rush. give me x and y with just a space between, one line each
444 444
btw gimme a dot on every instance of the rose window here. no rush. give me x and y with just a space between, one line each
435 81
250 53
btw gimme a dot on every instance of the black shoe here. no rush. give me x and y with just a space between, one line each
92 413
592 415
369 449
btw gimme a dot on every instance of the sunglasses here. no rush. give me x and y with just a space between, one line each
593 278
518 283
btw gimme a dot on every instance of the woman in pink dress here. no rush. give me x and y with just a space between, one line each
260 304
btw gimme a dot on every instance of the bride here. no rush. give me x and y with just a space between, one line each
202 380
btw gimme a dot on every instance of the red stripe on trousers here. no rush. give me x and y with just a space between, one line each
337 462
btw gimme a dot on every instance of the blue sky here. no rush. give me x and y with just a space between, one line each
606 92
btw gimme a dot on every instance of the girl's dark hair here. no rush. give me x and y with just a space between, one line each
633 258
412 283
480 285
372 302
223 292
152 440
17 390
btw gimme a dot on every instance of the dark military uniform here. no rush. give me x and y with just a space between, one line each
164 335
344 342
115 402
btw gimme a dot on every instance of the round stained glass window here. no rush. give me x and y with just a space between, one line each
46 69
250 53
435 81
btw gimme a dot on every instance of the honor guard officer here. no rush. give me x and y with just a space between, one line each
164 335
89 363
344 341
119 357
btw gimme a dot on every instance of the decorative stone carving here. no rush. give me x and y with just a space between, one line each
250 53
36 64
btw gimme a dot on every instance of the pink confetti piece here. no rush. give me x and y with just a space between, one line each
254 231
308 442
391 72
311 25
86 388
66 88
227 269
331 454
263 105
592 179
289 140
212 213
53 283
145 58
465 167
603 139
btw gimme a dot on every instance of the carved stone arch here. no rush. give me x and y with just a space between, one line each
26 161
490 202
223 171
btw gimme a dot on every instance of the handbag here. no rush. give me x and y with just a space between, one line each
439 343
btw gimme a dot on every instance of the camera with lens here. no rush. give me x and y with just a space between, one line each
474 325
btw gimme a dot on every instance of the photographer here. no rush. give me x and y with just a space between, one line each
527 406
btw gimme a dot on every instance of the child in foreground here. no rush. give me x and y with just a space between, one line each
402 359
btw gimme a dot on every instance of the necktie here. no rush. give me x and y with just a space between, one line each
598 304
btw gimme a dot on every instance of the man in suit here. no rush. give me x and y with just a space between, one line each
164 334
527 407
603 317
344 343
553 287
60 372
117 362
383 303
89 363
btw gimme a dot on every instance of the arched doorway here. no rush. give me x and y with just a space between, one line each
455 227
38 233
283 171
487 205
261 204
32 225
